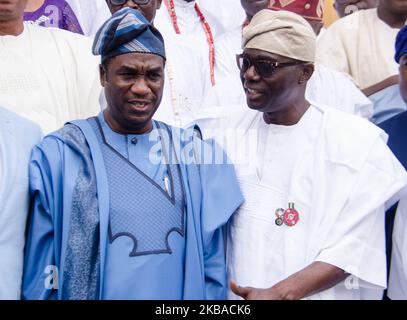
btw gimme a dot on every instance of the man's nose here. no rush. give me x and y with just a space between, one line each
140 87
251 74
132 4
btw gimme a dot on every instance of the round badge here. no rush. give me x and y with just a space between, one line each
279 222
291 216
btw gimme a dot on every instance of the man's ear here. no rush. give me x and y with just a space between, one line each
159 3
307 72
102 75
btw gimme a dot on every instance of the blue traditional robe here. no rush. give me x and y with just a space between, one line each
68 231
396 128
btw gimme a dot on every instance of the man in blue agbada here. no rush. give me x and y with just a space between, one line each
124 207
396 217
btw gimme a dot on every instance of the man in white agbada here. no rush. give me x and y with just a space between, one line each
188 20
17 137
315 179
90 13
182 97
47 75
362 44
326 86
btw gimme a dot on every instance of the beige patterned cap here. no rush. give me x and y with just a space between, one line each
281 32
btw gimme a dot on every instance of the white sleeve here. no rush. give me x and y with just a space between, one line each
356 242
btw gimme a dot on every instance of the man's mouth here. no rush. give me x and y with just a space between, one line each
252 93
140 106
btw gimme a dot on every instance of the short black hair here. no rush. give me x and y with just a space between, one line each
105 64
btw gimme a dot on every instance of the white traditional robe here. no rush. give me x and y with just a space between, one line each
185 86
229 13
337 170
326 86
17 137
49 76
360 45
321 33
190 27
398 267
91 14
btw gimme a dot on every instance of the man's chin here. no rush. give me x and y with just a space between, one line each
138 122
255 106
140 115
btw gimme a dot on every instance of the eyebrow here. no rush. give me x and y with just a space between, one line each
134 69
156 69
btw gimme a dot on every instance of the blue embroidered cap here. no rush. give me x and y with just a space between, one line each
401 44
127 31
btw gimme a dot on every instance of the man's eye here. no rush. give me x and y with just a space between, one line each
266 67
154 76
125 74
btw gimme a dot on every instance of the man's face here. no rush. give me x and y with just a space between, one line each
270 94
133 84
148 10
347 7
12 9
403 77
253 6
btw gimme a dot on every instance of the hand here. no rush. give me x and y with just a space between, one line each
316 277
249 293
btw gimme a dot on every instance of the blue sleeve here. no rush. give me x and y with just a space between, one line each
221 198
40 273
215 268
